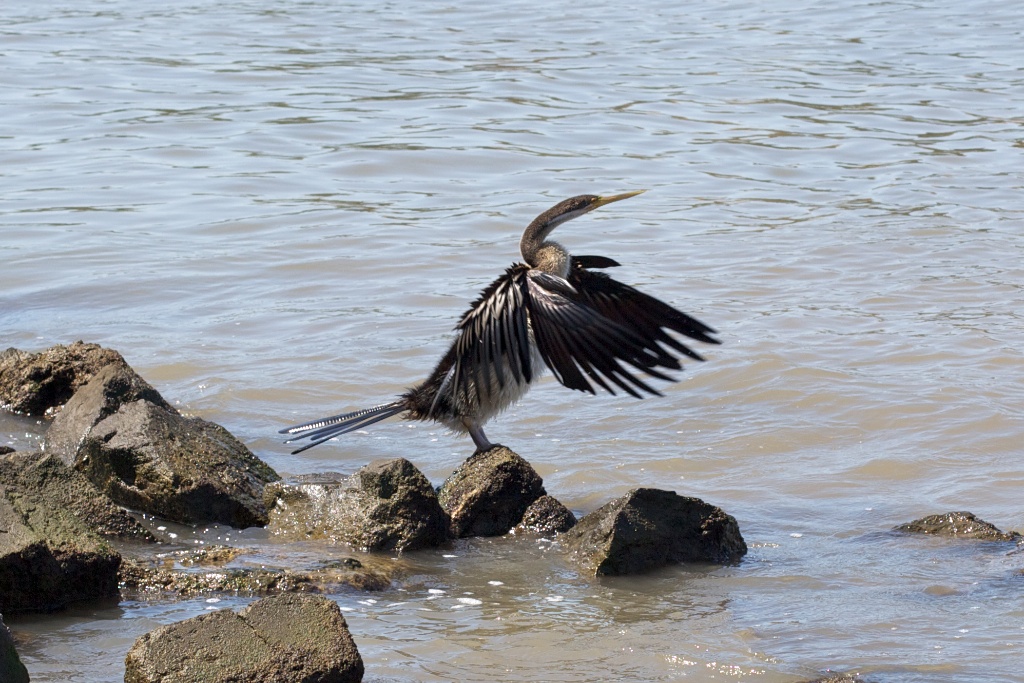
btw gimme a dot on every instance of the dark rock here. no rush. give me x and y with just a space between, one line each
11 668
488 494
959 525
386 505
184 469
49 483
35 383
4 450
101 397
48 556
279 639
547 515
648 528
137 579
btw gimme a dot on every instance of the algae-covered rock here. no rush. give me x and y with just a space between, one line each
546 515
386 505
137 578
38 383
649 528
958 525
50 484
283 639
184 469
143 454
48 556
101 397
489 493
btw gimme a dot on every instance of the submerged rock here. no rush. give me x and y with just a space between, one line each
49 557
648 528
143 454
285 638
11 668
546 515
386 505
959 525
37 383
489 493
138 579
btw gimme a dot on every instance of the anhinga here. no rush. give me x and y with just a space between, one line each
552 310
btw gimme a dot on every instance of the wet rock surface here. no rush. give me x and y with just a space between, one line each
489 493
140 579
649 528
35 383
546 515
957 525
11 668
42 480
49 557
143 454
184 469
282 638
100 397
386 505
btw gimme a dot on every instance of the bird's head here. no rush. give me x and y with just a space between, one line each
538 230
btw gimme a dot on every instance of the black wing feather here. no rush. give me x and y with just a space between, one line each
594 324
493 346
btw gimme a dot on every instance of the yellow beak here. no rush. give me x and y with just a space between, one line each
601 201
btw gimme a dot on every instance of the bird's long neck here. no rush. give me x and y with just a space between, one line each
541 253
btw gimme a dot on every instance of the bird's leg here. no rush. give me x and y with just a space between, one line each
477 432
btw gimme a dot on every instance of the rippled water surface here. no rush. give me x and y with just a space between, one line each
278 210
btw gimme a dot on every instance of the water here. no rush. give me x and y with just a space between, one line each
277 211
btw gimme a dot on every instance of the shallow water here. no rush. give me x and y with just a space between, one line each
277 212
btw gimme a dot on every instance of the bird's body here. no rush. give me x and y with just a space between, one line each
553 310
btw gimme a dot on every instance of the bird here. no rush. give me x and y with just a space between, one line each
553 310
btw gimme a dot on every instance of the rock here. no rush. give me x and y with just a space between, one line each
184 469
101 397
281 639
35 383
47 482
48 556
138 579
4 450
959 525
488 494
546 515
142 453
11 668
648 528
386 505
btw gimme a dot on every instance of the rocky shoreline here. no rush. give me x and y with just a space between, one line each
116 452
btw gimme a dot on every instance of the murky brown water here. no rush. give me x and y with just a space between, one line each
276 211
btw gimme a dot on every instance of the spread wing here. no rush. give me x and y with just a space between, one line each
587 328
493 347
650 318
595 327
